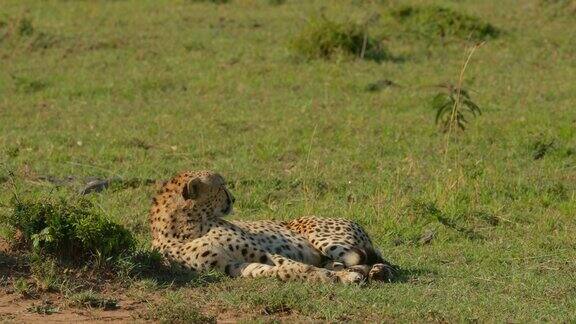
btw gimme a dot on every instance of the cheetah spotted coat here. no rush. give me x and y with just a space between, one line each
188 228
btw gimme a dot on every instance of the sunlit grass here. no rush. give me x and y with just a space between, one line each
484 230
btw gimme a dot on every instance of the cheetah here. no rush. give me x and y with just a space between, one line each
188 228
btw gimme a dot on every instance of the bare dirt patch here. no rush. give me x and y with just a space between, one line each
14 307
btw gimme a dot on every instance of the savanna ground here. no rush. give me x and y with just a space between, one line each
481 222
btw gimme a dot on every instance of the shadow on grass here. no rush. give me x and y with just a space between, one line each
467 232
150 265
175 277
407 275
11 259
8 264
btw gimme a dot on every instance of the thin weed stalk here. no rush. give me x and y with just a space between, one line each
452 121
457 103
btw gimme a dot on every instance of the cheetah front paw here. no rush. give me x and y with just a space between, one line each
382 272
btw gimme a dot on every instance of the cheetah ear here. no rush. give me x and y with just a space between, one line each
192 189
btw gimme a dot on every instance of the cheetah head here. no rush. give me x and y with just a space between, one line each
208 189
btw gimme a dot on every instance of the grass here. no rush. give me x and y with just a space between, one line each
481 223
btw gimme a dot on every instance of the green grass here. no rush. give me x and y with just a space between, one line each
481 221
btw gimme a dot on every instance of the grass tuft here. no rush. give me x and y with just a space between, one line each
91 299
21 286
324 39
46 274
174 308
431 22
541 147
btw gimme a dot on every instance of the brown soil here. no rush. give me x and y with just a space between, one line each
14 307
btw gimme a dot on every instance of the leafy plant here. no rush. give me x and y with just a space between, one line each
324 39
44 308
68 228
452 105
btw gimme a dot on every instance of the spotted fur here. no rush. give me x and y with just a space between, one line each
188 228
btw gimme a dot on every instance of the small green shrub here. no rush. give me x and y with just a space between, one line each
74 229
46 307
434 22
91 299
323 39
